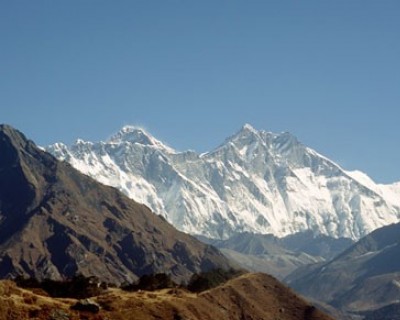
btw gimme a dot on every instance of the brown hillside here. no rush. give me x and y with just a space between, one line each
250 296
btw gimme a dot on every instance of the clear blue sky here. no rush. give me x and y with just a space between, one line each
193 72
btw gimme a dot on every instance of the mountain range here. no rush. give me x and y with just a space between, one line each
256 181
56 223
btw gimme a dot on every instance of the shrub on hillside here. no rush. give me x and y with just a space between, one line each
211 279
78 287
151 282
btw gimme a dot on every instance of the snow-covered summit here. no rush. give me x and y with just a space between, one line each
256 181
134 134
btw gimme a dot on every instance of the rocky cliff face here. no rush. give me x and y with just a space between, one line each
256 181
56 222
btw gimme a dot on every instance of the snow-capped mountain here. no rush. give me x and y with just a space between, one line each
255 181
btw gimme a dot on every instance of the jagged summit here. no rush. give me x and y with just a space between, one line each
248 134
132 134
245 136
255 181
135 134
12 137
246 131
248 127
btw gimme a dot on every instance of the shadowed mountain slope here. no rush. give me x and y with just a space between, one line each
364 278
56 222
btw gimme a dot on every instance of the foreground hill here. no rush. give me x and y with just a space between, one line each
56 222
250 296
365 279
256 181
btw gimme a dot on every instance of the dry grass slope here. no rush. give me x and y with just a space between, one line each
250 296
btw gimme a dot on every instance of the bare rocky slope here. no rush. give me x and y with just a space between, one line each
56 222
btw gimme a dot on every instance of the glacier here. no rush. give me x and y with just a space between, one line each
256 181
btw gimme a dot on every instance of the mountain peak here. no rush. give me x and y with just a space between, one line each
12 134
5 127
246 132
244 136
11 143
248 127
134 134
130 128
